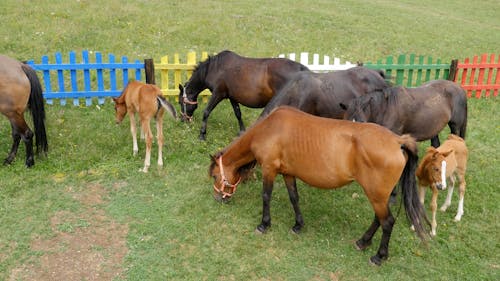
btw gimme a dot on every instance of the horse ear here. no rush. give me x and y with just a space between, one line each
343 106
446 153
181 88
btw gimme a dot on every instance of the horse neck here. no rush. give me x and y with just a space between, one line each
238 154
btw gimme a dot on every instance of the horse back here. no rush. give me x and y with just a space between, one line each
459 155
327 153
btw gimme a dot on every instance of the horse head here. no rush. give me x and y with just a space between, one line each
120 109
358 110
223 188
432 169
187 103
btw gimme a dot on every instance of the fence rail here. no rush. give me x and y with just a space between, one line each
91 78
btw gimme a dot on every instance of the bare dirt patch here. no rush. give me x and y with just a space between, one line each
86 246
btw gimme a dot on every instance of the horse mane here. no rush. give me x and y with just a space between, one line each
200 71
244 171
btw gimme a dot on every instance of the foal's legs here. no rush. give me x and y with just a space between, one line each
237 112
447 202
291 185
433 210
159 136
149 142
435 141
460 210
133 131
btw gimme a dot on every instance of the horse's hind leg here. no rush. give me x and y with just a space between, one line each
237 113
159 137
460 210
133 131
291 185
383 250
447 201
149 143
366 239
21 130
16 139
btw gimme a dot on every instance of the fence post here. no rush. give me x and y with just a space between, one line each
453 70
149 70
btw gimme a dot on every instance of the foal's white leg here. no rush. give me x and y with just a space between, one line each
133 130
447 202
149 143
460 210
433 209
159 137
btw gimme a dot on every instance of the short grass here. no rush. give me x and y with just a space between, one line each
176 230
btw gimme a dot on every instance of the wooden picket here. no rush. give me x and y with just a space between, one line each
174 73
476 77
86 79
412 72
316 65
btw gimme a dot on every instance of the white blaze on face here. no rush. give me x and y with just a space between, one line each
443 174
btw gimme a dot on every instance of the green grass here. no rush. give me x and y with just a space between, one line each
176 230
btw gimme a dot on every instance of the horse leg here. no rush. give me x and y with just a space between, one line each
435 141
212 103
133 131
447 201
383 250
460 210
237 113
266 206
366 239
16 139
159 137
149 142
433 210
291 185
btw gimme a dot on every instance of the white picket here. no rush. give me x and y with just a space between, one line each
316 66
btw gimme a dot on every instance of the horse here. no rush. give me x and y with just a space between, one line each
421 111
321 93
448 161
149 102
251 82
20 88
325 153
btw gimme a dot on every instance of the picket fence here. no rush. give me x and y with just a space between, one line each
476 77
86 79
91 79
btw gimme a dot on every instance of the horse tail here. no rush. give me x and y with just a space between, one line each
37 109
414 210
167 105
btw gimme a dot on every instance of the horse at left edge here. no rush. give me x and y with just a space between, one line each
20 89
325 153
251 82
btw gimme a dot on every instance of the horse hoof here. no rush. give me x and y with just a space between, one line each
375 260
361 246
260 229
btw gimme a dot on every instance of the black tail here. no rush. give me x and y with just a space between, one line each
414 210
37 109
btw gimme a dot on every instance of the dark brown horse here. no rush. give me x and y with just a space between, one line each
21 89
421 112
321 93
325 153
251 82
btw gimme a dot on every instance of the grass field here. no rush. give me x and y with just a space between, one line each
86 213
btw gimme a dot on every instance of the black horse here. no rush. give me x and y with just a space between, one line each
321 93
251 82
421 112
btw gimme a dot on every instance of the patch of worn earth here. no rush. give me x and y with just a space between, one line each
85 246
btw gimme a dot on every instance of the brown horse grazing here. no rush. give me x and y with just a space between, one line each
325 153
251 82
448 161
321 93
148 101
20 89
421 112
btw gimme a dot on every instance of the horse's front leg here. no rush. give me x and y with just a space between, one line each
266 205
212 103
291 185
237 113
435 141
